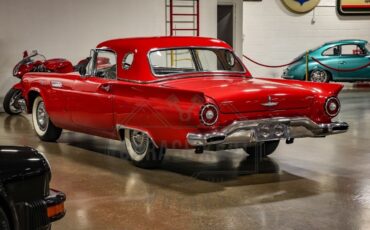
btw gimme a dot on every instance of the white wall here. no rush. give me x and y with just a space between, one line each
274 35
70 28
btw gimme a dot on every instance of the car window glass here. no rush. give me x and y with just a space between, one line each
105 64
172 61
127 61
209 60
177 61
333 51
352 50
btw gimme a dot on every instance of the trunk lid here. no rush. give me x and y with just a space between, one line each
238 95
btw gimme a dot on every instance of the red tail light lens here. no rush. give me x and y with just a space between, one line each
209 114
332 106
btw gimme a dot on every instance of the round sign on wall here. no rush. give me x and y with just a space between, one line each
301 6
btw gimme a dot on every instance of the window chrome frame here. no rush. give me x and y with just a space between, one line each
192 48
94 56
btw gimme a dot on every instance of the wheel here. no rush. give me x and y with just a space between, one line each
4 222
42 124
319 76
10 103
262 149
142 151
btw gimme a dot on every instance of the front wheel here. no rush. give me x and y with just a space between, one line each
262 149
42 124
142 151
10 102
4 222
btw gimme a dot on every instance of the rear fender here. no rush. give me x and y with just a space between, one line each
322 89
163 113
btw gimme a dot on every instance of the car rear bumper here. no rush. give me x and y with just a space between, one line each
254 131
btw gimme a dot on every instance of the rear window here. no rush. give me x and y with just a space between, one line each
177 61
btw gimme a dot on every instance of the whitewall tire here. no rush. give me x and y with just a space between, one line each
142 151
42 124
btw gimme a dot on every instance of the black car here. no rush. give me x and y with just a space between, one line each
26 201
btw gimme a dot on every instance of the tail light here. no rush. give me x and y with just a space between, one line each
209 114
332 106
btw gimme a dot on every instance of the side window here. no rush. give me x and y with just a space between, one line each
105 64
333 51
127 61
352 50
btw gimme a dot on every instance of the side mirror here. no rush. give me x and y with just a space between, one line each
82 70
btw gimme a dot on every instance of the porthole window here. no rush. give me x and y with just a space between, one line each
127 61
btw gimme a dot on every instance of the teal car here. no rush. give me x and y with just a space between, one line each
334 57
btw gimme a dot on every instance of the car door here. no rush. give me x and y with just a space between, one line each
91 101
353 56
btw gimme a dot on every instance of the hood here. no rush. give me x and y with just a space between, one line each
238 95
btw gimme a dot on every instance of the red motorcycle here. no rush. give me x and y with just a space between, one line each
35 62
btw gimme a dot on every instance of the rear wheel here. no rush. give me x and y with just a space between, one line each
4 222
142 151
10 103
319 76
42 124
262 149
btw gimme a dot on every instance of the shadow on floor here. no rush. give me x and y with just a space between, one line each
182 171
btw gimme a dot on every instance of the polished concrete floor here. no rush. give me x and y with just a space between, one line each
312 184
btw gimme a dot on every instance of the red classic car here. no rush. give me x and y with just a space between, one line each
181 93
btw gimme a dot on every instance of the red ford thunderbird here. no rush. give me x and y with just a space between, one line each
181 93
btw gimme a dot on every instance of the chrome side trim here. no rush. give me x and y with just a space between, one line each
249 132
120 127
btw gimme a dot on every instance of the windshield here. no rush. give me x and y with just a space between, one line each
368 47
33 57
177 61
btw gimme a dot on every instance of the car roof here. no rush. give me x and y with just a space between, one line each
346 41
140 69
147 43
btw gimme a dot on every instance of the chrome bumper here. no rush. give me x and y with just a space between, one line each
253 131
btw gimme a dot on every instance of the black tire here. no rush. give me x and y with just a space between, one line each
262 149
44 128
10 104
4 222
150 157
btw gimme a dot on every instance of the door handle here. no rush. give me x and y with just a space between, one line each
342 62
106 87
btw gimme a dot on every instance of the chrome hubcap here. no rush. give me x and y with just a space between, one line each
42 116
319 76
139 142
13 105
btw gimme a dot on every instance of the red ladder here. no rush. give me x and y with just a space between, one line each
182 16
